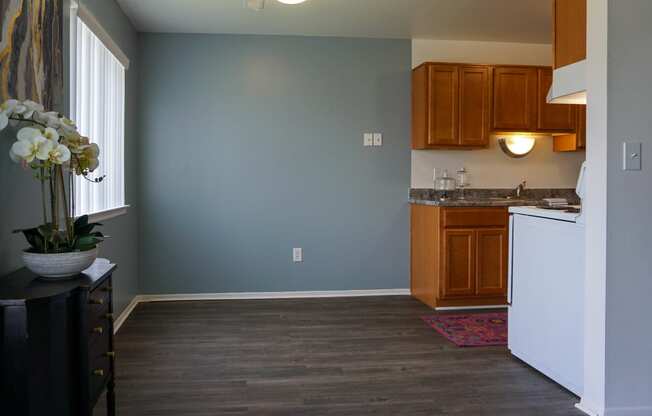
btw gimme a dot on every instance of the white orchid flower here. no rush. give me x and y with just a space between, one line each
13 156
9 106
31 107
51 134
50 119
28 133
91 154
36 147
6 110
59 154
67 125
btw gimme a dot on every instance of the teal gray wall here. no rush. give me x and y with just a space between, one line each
21 198
253 145
628 227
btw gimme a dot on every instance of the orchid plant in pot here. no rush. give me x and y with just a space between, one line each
50 146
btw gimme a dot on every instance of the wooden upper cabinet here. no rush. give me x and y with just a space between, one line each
443 105
569 31
552 117
461 105
450 106
574 141
580 128
514 98
474 105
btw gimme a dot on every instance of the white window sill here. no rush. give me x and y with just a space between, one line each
107 214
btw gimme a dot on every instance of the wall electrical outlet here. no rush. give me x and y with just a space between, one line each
368 139
378 139
297 255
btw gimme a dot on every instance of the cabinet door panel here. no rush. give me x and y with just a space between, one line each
443 117
553 116
491 278
580 128
569 31
474 105
514 98
459 263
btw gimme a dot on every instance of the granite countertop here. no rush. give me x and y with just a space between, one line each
491 197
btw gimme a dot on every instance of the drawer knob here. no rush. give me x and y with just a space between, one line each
98 373
96 301
98 329
110 354
109 316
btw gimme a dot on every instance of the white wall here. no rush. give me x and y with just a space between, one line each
490 168
593 399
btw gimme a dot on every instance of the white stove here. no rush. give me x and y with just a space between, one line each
553 214
546 291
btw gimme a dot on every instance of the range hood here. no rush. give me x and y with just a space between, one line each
568 84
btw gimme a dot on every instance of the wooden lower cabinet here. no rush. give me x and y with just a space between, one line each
459 251
491 261
459 255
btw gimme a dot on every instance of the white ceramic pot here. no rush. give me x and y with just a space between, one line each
60 265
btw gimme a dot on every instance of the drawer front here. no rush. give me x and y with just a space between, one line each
475 217
100 354
99 300
100 372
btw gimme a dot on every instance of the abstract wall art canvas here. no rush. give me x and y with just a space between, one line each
31 55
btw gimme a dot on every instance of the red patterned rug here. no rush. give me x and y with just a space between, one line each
471 330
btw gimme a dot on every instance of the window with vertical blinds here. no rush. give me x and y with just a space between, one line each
98 82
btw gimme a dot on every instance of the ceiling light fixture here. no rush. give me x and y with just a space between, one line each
517 146
291 1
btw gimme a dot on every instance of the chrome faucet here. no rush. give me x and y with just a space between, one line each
519 189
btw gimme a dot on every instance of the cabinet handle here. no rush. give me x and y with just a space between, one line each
107 289
98 373
98 329
96 301
110 354
109 316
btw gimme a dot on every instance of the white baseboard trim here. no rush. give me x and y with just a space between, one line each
462 308
275 295
586 409
125 313
253 295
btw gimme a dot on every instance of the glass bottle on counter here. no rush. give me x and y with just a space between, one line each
462 182
444 184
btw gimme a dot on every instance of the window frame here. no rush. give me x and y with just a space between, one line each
78 11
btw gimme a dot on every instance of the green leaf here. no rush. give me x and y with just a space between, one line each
34 238
81 221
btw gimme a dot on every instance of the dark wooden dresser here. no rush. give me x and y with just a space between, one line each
56 343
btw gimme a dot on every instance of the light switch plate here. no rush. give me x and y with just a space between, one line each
632 155
368 139
297 255
378 139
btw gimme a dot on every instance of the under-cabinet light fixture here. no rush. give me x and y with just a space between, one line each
291 1
517 146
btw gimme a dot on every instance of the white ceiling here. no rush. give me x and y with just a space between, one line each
489 20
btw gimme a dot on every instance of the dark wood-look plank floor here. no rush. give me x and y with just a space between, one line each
356 356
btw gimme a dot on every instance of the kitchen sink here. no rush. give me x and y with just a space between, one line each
502 198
